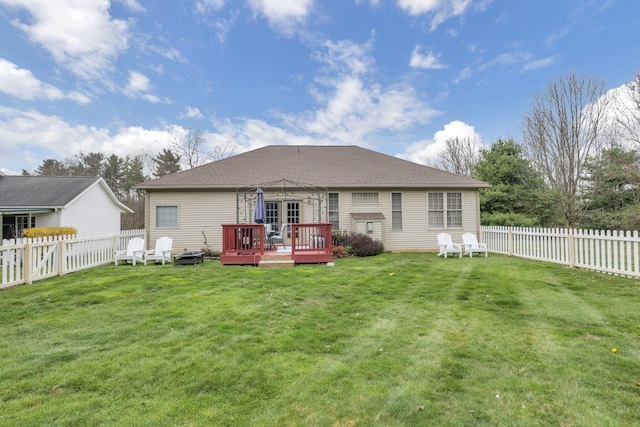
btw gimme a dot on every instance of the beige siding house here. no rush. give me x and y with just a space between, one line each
403 204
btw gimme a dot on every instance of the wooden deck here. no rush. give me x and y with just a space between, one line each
247 244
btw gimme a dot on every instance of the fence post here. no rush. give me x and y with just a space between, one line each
571 249
509 242
62 257
27 266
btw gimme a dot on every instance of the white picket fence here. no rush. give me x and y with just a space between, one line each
23 261
614 252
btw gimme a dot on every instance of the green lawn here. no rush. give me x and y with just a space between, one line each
394 340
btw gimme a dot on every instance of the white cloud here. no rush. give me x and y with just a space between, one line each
36 136
139 86
79 34
346 57
540 63
427 152
133 5
428 61
204 7
350 108
191 113
440 10
22 84
283 15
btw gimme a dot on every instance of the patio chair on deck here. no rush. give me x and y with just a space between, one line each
447 246
471 245
280 236
133 253
162 252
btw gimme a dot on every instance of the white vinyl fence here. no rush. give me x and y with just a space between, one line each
23 261
614 252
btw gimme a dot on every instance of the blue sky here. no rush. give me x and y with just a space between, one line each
396 76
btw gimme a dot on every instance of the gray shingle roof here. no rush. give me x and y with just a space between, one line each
322 166
41 191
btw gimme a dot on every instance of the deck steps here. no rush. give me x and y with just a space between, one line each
272 261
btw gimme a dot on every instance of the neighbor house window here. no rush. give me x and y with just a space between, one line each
363 197
396 211
166 216
444 210
334 210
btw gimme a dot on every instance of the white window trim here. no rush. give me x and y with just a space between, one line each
445 210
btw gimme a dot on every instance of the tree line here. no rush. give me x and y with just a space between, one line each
577 164
122 174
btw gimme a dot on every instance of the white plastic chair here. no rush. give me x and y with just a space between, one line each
447 246
133 253
162 252
471 245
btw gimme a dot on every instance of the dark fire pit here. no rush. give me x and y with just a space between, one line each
189 258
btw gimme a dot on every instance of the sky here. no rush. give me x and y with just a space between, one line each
130 77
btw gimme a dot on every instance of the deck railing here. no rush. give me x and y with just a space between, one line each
310 238
23 261
243 239
249 243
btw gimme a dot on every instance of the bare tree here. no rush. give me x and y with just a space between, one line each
226 148
566 125
459 156
628 111
190 148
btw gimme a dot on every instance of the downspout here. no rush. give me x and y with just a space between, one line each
58 211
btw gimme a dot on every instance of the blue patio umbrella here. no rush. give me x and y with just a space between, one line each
259 214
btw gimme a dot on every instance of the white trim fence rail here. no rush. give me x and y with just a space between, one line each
23 261
612 252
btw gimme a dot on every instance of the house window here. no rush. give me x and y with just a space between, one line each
22 222
396 211
454 210
444 210
166 216
364 197
334 211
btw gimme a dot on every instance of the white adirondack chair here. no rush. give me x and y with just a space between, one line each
447 246
471 245
133 253
162 252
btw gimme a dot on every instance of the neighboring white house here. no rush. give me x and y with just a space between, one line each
403 204
84 203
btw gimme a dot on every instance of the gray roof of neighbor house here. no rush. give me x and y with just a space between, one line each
45 192
322 166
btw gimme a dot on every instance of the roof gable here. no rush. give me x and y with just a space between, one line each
325 166
48 192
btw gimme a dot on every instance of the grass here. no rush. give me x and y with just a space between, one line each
482 341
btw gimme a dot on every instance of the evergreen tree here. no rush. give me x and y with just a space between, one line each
517 195
52 167
167 162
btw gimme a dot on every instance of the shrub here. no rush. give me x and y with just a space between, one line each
339 251
362 245
48 231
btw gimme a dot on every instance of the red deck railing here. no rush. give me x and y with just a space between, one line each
311 238
247 243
